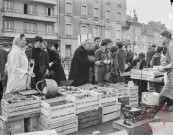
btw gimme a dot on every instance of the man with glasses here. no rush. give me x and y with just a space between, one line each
79 71
41 59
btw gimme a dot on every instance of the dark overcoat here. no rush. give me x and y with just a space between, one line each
59 74
79 71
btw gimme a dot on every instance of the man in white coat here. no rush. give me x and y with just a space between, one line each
17 66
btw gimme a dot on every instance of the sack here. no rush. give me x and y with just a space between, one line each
107 77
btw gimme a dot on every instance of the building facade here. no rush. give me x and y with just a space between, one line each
31 17
133 32
99 18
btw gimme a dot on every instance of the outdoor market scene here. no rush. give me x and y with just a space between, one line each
86 67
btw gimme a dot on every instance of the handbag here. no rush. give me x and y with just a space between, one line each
107 77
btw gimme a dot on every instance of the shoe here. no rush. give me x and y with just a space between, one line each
168 109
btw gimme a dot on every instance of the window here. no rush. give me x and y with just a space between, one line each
49 29
118 35
96 1
49 11
68 8
118 17
29 9
68 50
96 31
96 13
84 2
107 33
84 11
108 15
8 5
119 2
68 29
84 30
30 27
108 1
8 25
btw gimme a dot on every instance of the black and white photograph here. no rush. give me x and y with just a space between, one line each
86 67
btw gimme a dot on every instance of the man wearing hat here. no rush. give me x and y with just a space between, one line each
150 54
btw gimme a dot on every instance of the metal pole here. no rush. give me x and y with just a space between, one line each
134 30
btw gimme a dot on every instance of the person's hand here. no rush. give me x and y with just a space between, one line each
50 64
31 63
30 74
98 62
91 58
161 69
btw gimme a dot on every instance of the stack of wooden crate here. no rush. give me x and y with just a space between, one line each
85 102
19 116
59 114
131 91
108 101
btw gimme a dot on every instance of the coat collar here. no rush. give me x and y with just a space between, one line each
18 49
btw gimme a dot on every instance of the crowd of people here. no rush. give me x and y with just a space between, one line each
95 62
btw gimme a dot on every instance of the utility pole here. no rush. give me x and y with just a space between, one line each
134 30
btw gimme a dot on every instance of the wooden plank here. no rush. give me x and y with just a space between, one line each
58 123
27 115
111 116
89 124
45 132
90 113
90 119
7 115
111 108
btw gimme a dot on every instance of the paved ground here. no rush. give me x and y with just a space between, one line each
106 128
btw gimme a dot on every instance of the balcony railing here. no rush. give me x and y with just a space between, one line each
19 31
28 13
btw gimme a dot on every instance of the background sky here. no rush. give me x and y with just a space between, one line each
152 10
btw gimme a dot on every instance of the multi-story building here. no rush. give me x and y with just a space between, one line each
157 28
31 17
147 37
101 18
133 32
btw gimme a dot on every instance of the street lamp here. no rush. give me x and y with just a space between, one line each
134 29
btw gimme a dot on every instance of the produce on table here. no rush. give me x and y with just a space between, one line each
16 98
59 103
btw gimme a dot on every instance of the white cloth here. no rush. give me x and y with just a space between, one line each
17 66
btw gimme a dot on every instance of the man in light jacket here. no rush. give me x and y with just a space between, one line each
17 66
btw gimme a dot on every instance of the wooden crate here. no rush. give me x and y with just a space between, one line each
65 126
111 112
51 111
105 99
138 128
14 109
136 74
131 91
89 118
11 127
85 104
152 75
45 132
133 101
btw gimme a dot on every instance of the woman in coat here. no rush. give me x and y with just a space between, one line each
102 61
17 66
55 65
121 56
